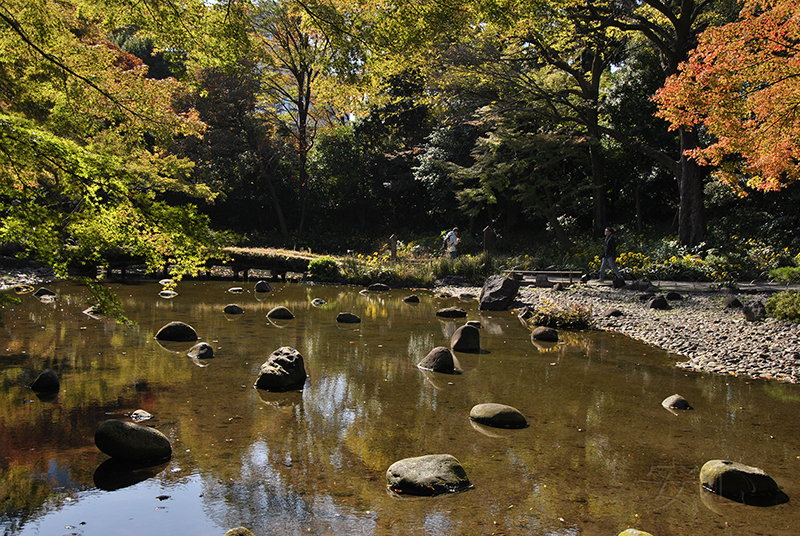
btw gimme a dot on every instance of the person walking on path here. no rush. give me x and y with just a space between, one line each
609 255
450 242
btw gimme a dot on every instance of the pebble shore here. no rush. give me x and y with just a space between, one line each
704 335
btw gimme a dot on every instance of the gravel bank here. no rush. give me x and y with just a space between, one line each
704 335
14 272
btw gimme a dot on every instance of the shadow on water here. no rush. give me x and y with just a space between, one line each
600 454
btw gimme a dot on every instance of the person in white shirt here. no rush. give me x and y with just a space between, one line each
450 241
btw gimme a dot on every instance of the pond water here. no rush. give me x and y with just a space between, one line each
600 454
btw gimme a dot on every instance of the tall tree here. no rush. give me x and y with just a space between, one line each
292 57
83 133
672 27
742 84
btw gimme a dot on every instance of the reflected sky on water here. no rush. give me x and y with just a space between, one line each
600 454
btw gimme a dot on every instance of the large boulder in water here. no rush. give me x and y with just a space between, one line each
440 359
46 382
233 309
132 442
282 371
498 416
262 286
498 293
347 318
466 339
736 481
178 332
280 313
427 475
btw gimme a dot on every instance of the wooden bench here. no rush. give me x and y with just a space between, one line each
542 277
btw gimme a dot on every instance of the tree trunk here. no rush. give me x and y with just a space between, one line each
276 205
692 215
598 184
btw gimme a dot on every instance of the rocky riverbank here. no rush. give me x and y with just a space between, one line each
15 272
704 335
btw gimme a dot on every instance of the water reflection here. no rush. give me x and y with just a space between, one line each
600 453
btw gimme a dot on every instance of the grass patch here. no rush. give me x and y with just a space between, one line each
553 315
785 306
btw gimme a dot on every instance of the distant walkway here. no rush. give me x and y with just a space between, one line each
744 287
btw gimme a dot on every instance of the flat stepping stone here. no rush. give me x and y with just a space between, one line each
141 415
429 475
378 287
736 481
451 312
498 416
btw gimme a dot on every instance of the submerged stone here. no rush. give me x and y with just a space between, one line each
498 416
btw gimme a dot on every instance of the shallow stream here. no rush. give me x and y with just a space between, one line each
600 454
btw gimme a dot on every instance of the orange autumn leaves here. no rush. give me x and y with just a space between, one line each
742 83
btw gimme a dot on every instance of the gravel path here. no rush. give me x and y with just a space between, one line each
706 336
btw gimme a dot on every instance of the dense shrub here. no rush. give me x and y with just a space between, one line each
324 269
553 315
785 306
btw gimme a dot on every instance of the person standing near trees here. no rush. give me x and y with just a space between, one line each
450 241
609 255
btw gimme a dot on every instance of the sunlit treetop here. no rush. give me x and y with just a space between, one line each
742 84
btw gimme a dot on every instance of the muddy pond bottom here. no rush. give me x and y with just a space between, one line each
600 454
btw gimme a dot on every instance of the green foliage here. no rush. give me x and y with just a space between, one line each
84 168
786 274
104 302
324 269
553 315
785 306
